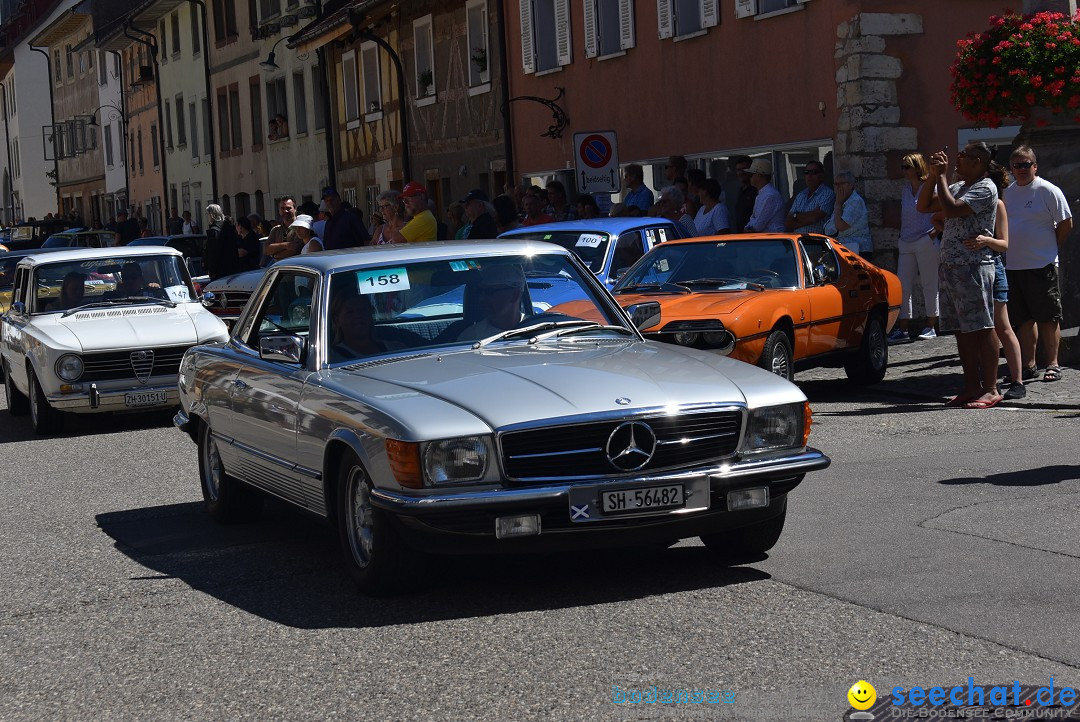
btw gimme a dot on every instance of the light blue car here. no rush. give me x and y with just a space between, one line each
607 246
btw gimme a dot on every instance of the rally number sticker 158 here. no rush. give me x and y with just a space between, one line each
383 280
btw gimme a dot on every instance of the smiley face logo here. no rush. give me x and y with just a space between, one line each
862 695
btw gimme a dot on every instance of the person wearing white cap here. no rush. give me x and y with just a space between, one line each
768 214
302 226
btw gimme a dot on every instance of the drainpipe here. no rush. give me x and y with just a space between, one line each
331 168
8 206
209 122
504 86
152 44
406 163
52 119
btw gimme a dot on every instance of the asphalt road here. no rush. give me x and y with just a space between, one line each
941 544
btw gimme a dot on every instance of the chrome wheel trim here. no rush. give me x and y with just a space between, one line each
212 468
876 344
779 362
360 526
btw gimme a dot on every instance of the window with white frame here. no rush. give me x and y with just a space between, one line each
168 124
193 116
163 44
103 70
299 124
609 27
277 103
349 86
369 59
174 28
545 35
196 30
679 18
749 8
423 44
478 61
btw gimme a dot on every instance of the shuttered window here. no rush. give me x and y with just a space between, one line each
609 27
545 34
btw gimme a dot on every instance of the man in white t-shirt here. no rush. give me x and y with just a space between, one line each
1039 223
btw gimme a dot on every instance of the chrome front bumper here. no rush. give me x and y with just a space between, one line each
95 400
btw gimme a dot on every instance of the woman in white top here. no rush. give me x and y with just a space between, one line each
712 216
918 252
302 226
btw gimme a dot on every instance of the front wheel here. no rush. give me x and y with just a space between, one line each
43 417
870 362
378 558
227 499
747 543
777 356
17 403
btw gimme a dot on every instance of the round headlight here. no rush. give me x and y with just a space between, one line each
686 338
452 460
69 367
722 341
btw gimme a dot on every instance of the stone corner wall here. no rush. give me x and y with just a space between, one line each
869 137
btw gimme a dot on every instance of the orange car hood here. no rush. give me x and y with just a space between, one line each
693 305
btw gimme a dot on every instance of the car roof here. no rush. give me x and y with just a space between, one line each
155 240
24 252
89 254
602 224
744 237
329 261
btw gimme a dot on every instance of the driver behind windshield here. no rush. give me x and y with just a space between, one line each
72 292
133 284
500 291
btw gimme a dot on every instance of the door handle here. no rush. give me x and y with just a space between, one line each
239 384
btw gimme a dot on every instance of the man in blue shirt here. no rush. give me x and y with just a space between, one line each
813 204
638 194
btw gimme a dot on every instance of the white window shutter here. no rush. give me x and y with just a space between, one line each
710 13
528 54
590 28
562 32
626 24
745 8
663 18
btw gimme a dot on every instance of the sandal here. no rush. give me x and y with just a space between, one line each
1052 373
981 404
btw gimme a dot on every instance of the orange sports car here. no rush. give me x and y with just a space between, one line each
771 299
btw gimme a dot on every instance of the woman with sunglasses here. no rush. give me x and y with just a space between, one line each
392 211
919 252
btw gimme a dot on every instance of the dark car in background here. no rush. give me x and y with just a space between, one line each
81 239
33 233
192 246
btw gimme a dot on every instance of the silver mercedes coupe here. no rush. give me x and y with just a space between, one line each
484 397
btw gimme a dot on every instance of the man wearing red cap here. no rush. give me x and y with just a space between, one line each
422 225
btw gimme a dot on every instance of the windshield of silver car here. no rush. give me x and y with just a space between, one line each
481 300
712 265
110 281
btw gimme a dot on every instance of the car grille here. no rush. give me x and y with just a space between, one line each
578 450
119 365
229 303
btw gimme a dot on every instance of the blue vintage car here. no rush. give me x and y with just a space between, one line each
607 246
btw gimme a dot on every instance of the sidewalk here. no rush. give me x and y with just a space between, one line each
930 370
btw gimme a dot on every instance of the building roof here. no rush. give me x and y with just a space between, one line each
335 21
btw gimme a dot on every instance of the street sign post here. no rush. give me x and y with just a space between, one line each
597 162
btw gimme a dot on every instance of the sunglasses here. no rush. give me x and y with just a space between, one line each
1022 165
813 171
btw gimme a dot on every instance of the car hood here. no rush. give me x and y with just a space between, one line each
523 383
131 327
692 305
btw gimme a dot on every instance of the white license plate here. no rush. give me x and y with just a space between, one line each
629 501
145 398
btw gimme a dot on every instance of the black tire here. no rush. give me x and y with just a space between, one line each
777 356
748 543
44 418
379 560
228 500
869 364
17 403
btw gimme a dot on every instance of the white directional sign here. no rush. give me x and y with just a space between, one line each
597 162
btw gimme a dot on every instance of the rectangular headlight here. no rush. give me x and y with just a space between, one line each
775 427
451 461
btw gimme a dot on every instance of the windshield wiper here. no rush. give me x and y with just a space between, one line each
116 302
529 330
670 287
723 282
592 327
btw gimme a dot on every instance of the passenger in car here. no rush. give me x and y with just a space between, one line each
132 283
72 292
500 290
352 328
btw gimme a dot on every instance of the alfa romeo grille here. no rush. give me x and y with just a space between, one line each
577 450
116 365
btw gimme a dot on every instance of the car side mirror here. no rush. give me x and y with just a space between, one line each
644 315
18 308
284 349
208 299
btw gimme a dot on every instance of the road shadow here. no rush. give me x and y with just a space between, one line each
1028 477
15 429
287 568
